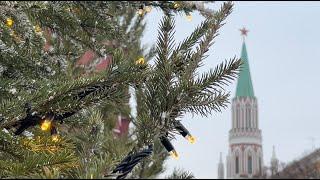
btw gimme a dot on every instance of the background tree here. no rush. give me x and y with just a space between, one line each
307 167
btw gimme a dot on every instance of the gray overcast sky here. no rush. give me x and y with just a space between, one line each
284 57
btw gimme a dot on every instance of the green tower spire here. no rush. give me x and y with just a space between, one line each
244 86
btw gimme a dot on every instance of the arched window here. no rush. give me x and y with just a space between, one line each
237 165
248 116
238 116
250 164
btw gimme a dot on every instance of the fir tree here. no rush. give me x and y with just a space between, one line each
57 122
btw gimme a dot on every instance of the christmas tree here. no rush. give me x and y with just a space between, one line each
65 73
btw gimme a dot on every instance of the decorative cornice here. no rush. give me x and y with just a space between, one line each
242 132
241 99
245 145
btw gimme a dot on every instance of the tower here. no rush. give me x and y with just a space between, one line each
220 168
274 163
245 157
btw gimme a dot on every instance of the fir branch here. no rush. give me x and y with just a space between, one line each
190 41
207 40
204 103
180 174
165 39
223 74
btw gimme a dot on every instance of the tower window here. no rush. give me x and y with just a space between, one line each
238 116
248 114
237 165
250 165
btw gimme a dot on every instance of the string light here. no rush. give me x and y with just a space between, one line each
45 125
184 132
55 138
54 134
191 139
9 22
174 154
148 9
176 5
169 147
37 29
140 61
140 12
189 17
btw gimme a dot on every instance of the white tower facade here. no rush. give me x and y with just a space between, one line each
245 156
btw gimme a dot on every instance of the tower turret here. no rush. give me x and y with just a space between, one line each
220 168
274 163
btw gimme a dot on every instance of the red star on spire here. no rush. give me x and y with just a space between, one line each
244 31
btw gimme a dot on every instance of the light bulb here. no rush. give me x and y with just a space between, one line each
174 154
37 28
140 61
9 22
176 5
148 9
140 12
189 17
46 125
55 138
191 139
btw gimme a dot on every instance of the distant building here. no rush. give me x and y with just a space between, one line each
220 168
90 62
274 168
122 126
